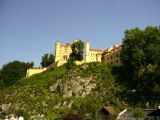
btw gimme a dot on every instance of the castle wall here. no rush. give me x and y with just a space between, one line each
95 55
112 56
62 52
33 71
92 55
86 52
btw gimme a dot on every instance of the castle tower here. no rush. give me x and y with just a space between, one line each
87 47
57 51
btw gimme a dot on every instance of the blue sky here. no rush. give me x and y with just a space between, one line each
30 28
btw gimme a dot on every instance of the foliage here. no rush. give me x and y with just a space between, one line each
47 59
77 50
76 55
2 85
13 71
141 61
22 113
51 116
138 113
71 116
70 64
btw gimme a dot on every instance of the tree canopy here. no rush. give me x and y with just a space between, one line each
13 71
141 47
76 55
77 50
47 59
141 60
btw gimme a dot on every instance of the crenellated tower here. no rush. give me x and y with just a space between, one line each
62 52
57 51
86 51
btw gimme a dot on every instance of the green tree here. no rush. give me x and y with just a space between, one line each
70 64
2 85
47 59
141 61
14 71
1 81
77 50
132 54
140 48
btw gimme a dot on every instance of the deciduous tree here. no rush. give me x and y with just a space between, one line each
14 71
47 59
141 60
77 50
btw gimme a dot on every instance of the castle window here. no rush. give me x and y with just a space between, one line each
117 55
117 60
65 52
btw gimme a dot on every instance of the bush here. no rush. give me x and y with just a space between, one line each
138 113
72 116
70 64
22 113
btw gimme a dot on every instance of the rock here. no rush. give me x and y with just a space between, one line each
70 104
57 106
6 107
53 87
67 94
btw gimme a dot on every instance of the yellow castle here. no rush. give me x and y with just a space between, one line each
109 56
63 51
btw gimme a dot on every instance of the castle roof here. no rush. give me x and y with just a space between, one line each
96 50
112 49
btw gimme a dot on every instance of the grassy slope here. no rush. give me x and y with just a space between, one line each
28 94
32 95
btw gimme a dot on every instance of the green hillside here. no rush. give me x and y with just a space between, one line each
83 90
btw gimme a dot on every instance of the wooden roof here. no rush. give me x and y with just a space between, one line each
108 109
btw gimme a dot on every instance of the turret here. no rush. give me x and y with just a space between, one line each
57 51
87 47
